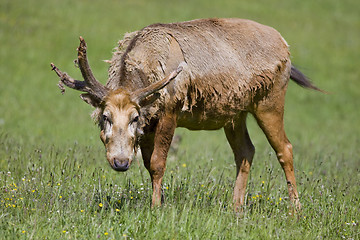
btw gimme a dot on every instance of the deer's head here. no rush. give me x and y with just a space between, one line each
120 117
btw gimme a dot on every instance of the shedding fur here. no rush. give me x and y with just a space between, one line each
225 69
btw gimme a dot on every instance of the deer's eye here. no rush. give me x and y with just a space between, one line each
106 121
136 119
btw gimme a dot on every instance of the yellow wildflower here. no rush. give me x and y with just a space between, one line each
184 165
101 205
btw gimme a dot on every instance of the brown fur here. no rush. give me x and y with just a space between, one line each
120 98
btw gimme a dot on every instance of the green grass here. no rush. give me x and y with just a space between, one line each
55 182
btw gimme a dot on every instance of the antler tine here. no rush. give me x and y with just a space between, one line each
90 85
141 94
69 81
86 72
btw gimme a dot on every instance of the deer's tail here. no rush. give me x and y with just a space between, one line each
301 79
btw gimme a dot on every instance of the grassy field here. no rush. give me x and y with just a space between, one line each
55 182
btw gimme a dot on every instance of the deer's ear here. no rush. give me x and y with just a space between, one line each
91 100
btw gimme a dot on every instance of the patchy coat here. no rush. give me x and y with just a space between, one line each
225 70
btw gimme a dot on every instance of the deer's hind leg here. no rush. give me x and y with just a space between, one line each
269 115
239 140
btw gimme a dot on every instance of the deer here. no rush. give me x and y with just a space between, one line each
203 74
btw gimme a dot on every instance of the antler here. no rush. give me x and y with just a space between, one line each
141 94
90 84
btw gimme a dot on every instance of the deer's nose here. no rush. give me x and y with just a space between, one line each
120 164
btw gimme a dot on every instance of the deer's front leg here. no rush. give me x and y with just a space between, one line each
154 148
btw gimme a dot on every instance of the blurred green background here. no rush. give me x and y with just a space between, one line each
323 38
